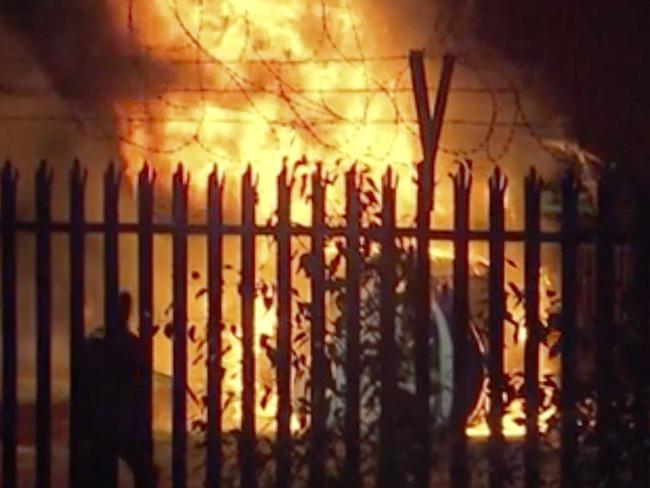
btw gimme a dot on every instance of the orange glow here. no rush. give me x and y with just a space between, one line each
512 423
213 109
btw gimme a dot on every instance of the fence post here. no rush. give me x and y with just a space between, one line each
9 353
425 201
283 459
179 423
352 347
215 326
247 444
43 191
421 93
430 127
318 360
77 254
461 330
430 131
111 279
533 186
145 300
569 231
605 332
388 458
498 183
422 308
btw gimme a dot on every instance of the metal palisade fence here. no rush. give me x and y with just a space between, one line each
604 238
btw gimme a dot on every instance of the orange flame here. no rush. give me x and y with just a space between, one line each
250 84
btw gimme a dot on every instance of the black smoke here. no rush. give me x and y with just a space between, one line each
591 62
87 59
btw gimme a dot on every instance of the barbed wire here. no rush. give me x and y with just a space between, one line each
16 89
307 111
528 126
401 58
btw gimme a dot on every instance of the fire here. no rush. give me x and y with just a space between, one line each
257 81
515 341
275 104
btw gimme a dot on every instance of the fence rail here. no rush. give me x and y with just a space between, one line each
584 236
605 237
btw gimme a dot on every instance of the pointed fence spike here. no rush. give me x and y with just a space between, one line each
214 375
421 300
461 328
247 459
318 366
76 252
111 283
460 174
76 167
213 177
494 176
284 282
496 315
389 468
145 172
179 343
498 180
352 413
532 263
569 312
42 166
145 305
8 309
43 281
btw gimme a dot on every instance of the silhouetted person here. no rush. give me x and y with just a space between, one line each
113 421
